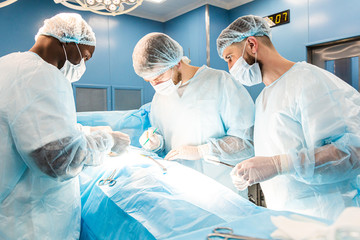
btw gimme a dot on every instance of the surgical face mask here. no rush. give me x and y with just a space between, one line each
166 88
73 72
246 74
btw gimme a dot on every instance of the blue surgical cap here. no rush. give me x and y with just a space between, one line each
154 54
68 27
240 29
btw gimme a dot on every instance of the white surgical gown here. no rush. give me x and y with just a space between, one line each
41 151
213 109
305 109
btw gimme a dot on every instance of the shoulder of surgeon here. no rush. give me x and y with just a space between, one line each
28 67
310 77
222 77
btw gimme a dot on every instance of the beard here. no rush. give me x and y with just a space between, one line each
249 58
177 78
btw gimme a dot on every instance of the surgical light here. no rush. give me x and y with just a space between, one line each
6 2
103 7
156 1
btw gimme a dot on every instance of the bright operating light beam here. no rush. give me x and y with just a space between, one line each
143 176
195 189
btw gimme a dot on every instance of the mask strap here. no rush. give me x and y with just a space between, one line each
244 49
244 52
64 51
79 50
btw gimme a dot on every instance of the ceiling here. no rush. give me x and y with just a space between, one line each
169 9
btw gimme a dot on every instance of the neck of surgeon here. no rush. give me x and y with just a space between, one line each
186 71
272 64
48 48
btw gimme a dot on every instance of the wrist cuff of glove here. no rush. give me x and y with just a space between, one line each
161 141
84 129
204 149
285 163
110 140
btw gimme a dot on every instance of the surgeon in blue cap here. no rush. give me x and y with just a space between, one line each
307 126
42 149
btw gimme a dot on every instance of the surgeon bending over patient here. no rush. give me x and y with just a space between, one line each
42 149
307 126
198 112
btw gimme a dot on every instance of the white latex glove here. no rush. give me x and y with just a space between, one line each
121 142
258 169
155 141
88 130
101 128
184 152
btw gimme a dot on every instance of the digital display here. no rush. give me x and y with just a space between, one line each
279 18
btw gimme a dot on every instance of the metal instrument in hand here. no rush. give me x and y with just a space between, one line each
227 233
149 137
108 181
217 161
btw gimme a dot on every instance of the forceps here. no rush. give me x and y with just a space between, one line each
109 181
160 165
217 161
227 233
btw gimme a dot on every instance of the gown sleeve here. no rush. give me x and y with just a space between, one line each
237 112
329 112
43 125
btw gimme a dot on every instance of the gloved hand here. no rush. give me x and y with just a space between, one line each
121 141
258 169
184 152
88 130
101 128
155 141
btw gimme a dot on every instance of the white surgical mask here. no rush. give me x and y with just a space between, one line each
246 74
166 88
73 72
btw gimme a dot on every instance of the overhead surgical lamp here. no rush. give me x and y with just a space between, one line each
103 7
6 2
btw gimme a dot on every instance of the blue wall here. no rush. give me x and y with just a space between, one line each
189 31
311 21
219 19
333 20
116 39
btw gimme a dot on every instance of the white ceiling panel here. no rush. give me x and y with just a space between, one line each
169 9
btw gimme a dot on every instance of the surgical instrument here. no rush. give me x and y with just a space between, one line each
162 166
149 138
216 161
109 181
227 233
